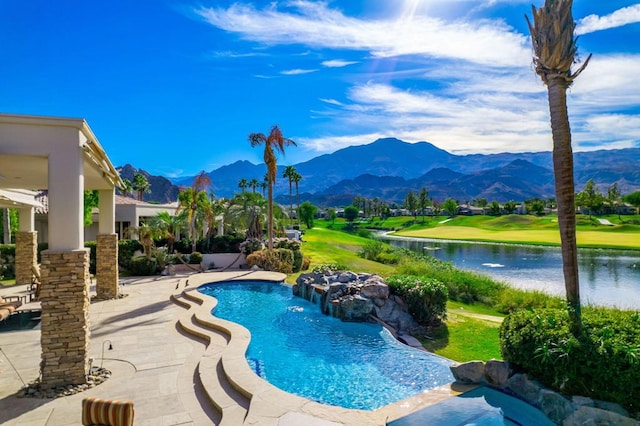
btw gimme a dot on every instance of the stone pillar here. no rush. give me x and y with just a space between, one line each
26 255
107 266
65 313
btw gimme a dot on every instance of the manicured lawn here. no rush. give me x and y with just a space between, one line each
528 230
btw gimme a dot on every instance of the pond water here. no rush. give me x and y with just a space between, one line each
607 277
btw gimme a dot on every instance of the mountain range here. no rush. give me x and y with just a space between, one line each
389 168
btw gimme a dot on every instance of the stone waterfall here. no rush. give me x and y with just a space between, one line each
355 297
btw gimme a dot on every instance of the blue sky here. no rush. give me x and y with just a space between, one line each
175 87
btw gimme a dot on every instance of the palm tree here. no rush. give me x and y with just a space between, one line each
243 184
141 185
169 226
290 172
254 184
554 52
127 187
296 179
263 186
191 199
272 143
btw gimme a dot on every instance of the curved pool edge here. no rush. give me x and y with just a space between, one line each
268 405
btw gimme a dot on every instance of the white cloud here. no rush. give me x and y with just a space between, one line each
314 24
331 101
337 63
624 16
297 71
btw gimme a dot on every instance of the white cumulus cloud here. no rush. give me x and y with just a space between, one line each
623 16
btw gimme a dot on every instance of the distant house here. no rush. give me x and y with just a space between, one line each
129 212
469 210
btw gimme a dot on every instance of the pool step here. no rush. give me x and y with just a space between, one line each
231 404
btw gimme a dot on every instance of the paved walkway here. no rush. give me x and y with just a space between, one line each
152 363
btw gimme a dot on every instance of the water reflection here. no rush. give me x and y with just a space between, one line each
607 277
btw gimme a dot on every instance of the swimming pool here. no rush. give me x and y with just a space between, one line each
480 407
298 349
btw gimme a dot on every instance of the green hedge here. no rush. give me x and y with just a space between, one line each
604 363
426 298
141 266
8 260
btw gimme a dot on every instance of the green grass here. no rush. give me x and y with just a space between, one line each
464 338
8 282
526 229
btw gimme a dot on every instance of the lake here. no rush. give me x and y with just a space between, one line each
607 277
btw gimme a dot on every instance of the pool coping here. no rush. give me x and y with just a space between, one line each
269 404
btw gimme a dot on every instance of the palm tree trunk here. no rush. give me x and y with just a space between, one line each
270 216
565 196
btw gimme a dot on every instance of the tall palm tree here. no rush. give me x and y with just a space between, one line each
275 141
296 179
263 186
254 184
141 185
243 184
191 199
289 173
554 52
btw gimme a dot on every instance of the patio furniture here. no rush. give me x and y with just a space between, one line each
9 305
107 412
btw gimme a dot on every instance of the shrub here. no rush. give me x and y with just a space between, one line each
278 260
8 260
328 267
250 245
604 363
126 251
297 260
228 243
141 266
426 298
306 262
372 250
182 246
195 258
286 243
91 245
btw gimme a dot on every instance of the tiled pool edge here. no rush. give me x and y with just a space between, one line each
267 403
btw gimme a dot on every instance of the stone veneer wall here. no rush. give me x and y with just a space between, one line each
26 255
107 266
65 314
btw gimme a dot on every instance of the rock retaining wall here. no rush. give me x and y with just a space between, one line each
575 411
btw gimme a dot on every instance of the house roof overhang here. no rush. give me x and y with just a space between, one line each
24 152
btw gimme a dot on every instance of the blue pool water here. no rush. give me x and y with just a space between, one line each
298 349
479 407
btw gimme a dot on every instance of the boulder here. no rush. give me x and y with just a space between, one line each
346 277
468 372
354 308
375 289
554 405
611 406
588 416
526 389
496 373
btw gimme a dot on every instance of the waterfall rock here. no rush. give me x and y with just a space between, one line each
586 415
355 308
524 388
554 405
354 297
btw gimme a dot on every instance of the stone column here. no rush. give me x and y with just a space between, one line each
26 255
65 317
107 266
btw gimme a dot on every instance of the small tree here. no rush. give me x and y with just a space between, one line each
450 206
423 201
331 215
90 202
351 213
510 207
494 208
307 213
613 198
482 203
243 184
411 203
590 198
633 199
